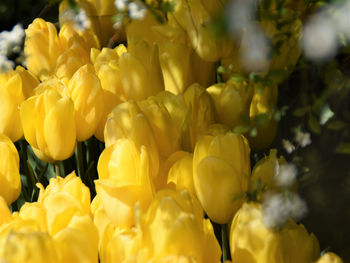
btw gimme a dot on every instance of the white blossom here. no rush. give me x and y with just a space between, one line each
11 41
279 207
5 64
80 19
121 5
288 146
137 11
286 175
302 138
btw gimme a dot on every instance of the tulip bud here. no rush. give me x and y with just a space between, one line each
10 181
42 47
127 122
181 173
231 101
106 63
140 71
329 257
265 171
193 17
48 124
124 180
86 92
261 114
221 170
199 115
251 240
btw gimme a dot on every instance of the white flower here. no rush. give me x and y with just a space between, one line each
11 41
278 208
137 11
121 5
288 146
80 20
5 64
320 38
286 175
302 138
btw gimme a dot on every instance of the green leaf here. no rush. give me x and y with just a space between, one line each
241 129
221 70
168 6
261 119
336 125
253 132
301 111
313 124
343 148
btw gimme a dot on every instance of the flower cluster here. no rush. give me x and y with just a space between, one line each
175 162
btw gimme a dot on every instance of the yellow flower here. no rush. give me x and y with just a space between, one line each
263 104
181 173
36 212
174 227
221 170
329 257
62 199
78 242
106 63
198 117
232 100
10 181
15 87
32 247
85 91
99 15
265 171
163 113
48 124
251 241
194 17
140 71
126 121
42 47
124 180
6 216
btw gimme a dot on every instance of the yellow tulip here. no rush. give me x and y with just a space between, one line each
126 121
62 199
174 227
78 242
232 100
10 181
263 103
100 15
198 117
124 180
194 16
329 257
251 241
106 63
221 170
32 247
181 173
42 47
140 71
48 124
6 216
265 171
163 122
36 212
86 93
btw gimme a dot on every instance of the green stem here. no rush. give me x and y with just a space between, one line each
79 159
224 243
58 169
